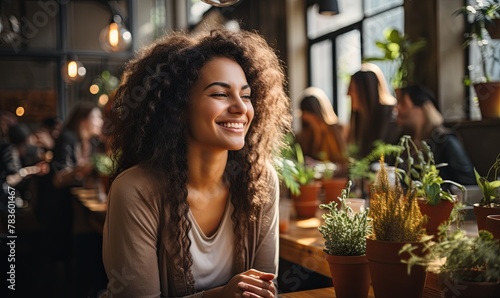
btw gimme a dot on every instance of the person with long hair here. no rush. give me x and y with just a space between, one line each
193 206
67 238
372 108
321 135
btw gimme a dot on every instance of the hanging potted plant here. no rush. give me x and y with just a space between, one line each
345 233
485 15
396 221
490 187
466 266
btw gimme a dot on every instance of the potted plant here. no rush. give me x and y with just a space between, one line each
397 47
396 221
490 187
485 15
345 233
332 185
466 266
422 174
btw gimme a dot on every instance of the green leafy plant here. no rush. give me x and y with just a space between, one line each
395 213
291 167
458 257
483 13
397 47
344 230
103 164
490 188
422 172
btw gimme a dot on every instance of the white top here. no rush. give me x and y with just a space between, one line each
212 260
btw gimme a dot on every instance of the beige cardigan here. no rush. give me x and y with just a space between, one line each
135 257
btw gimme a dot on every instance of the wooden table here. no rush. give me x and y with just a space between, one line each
303 245
90 208
317 293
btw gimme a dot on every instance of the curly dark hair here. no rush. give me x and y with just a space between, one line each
149 122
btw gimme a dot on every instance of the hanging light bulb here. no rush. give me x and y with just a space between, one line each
221 3
73 71
115 37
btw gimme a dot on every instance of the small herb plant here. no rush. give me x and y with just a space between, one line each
458 257
395 213
344 230
490 188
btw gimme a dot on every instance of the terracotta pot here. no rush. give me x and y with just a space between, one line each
436 214
488 95
333 188
465 289
482 212
389 275
345 270
493 225
306 204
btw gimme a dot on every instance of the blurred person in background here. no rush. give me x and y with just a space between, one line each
321 136
372 106
419 118
72 166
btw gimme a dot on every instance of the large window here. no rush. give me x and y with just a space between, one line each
338 43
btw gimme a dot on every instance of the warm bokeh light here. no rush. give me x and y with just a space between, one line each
72 69
20 111
103 99
94 89
114 37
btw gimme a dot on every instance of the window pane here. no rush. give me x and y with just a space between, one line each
351 11
322 67
348 62
375 6
372 32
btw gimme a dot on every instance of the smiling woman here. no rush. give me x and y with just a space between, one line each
193 205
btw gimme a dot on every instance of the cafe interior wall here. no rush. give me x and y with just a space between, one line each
56 31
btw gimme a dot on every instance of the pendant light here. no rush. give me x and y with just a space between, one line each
73 71
115 37
328 7
221 3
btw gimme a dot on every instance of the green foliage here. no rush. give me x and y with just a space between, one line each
291 167
344 230
490 188
397 47
106 82
396 215
458 257
359 169
103 164
483 12
421 172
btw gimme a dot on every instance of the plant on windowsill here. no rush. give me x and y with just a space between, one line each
490 187
398 48
466 266
485 18
345 233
